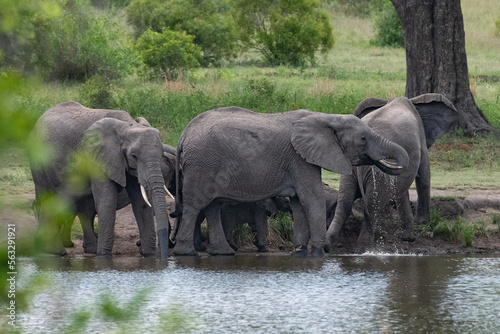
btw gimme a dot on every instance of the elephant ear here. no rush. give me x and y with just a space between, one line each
437 113
143 121
368 105
103 142
314 138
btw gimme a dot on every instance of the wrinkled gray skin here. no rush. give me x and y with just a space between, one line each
256 215
129 152
414 124
234 154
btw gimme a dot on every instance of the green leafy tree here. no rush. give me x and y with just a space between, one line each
209 21
169 53
75 45
288 32
387 26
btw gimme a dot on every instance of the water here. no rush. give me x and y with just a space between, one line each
274 294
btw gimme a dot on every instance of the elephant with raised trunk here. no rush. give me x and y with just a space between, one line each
414 124
130 161
234 154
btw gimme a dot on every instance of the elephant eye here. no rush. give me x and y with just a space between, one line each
363 138
134 156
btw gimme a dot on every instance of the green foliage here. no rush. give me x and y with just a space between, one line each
169 53
96 92
388 30
282 224
285 32
74 45
209 21
497 28
495 219
436 219
358 8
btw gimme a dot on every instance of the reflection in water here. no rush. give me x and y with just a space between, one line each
282 294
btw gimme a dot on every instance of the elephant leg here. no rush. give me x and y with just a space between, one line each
376 199
105 198
144 217
405 214
260 220
366 239
198 240
312 198
48 233
423 185
348 192
218 242
300 228
184 238
86 214
66 232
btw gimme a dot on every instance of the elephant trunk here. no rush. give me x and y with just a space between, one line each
156 187
388 156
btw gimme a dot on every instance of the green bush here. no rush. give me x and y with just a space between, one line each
286 32
169 53
75 45
388 30
209 21
96 92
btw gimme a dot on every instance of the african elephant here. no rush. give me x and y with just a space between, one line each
414 124
257 214
129 164
234 154
254 214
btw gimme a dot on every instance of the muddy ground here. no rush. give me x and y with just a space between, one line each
473 205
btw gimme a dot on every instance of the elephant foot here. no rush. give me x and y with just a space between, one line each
261 249
221 251
332 241
317 251
104 255
199 246
421 219
408 236
147 254
180 249
300 251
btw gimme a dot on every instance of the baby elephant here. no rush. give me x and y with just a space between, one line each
256 215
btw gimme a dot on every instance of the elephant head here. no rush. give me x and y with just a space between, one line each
124 148
338 142
437 113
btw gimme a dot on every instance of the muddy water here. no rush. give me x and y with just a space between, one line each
273 294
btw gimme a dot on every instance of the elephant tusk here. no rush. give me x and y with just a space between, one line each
143 192
168 193
389 164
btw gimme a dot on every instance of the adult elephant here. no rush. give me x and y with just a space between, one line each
234 154
414 124
128 154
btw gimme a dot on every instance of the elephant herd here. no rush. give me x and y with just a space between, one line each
234 166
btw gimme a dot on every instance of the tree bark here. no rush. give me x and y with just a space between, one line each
436 61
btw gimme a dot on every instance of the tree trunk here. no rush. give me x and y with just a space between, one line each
435 57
